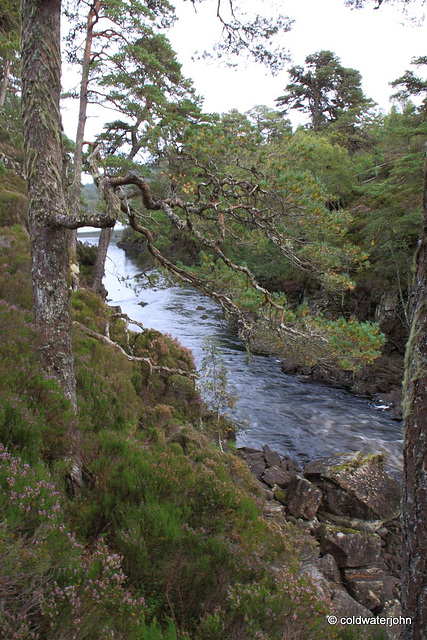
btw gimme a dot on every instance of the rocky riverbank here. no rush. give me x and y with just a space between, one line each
381 381
351 506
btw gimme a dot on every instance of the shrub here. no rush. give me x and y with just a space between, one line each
15 268
34 415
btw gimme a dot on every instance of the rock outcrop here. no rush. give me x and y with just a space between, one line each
352 508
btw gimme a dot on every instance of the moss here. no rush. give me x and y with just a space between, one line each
356 461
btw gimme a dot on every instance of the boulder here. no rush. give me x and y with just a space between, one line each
272 458
272 509
393 609
257 455
349 548
243 451
356 485
345 522
255 460
276 476
366 585
288 464
323 587
303 499
257 467
329 569
345 606
280 496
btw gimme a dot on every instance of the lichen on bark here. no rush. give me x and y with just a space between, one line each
41 85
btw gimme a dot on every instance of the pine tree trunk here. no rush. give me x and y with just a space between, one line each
415 452
4 82
101 256
41 86
81 125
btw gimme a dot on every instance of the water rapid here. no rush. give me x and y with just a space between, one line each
295 416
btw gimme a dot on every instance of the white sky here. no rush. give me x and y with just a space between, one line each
378 43
375 42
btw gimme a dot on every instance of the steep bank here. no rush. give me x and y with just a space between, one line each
167 538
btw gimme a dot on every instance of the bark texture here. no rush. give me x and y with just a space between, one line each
4 82
41 75
101 257
415 452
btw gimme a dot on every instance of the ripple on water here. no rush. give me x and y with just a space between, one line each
297 417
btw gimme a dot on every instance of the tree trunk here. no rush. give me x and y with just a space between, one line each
101 256
41 73
415 452
81 125
4 82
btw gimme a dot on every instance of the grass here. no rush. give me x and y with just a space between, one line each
165 539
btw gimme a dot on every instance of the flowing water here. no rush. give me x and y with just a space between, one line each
295 416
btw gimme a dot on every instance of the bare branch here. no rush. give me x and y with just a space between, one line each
152 367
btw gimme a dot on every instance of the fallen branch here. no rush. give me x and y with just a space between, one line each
152 367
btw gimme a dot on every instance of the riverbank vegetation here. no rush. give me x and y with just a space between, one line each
342 269
164 537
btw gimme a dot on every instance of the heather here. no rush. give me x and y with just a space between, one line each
164 538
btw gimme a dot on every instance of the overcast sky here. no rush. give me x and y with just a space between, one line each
378 43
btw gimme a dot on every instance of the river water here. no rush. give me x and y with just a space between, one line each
295 416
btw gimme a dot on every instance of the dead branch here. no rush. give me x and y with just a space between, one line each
152 367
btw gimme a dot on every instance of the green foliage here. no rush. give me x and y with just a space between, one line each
164 524
13 207
387 214
11 139
15 282
324 89
139 77
84 589
410 85
34 415
354 343
89 197
264 609
10 41
329 163
13 197
290 177
213 380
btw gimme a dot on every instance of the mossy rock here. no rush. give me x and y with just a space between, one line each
356 485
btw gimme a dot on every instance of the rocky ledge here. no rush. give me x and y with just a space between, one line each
352 508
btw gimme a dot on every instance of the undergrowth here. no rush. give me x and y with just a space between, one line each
165 539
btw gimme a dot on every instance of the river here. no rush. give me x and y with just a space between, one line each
295 416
